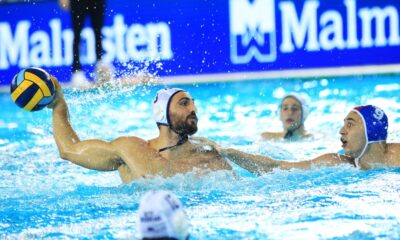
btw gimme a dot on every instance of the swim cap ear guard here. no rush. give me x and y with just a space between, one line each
161 104
375 125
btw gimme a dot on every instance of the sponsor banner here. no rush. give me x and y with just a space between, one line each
180 37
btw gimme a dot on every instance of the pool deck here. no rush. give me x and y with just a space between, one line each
263 75
285 74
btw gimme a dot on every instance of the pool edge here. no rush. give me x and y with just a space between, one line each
266 75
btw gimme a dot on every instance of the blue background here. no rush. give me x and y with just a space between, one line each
200 36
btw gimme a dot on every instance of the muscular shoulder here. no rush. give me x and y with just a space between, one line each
134 146
205 141
394 153
272 135
394 147
202 140
131 141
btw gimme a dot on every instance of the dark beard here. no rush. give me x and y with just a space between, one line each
184 128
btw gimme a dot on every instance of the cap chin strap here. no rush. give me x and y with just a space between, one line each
290 133
357 159
182 140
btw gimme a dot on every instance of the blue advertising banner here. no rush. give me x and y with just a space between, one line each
180 37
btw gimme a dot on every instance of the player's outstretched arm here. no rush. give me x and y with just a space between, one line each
92 154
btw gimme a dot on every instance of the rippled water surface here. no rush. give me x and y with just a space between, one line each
43 196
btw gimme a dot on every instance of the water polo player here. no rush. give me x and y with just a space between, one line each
293 112
363 138
170 153
161 215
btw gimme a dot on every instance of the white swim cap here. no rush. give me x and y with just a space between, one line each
303 99
161 215
161 105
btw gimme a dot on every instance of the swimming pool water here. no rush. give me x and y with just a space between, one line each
43 196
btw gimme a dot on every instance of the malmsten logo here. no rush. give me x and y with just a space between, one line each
253 28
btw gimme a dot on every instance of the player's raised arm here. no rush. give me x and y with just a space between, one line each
92 154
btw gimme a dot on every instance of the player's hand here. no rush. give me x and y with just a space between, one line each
58 93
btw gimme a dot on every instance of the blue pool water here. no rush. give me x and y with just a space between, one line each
43 196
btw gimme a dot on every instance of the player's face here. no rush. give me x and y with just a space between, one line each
290 113
183 114
353 135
